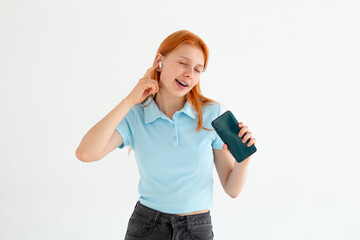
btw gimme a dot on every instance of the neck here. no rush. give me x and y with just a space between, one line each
169 105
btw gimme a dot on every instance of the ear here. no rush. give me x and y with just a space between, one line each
158 57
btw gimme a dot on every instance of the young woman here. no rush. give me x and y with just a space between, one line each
167 121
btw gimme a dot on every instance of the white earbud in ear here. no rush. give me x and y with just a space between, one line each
160 66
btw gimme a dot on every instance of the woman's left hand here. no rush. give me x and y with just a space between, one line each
244 129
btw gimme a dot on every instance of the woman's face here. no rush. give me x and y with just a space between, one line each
185 64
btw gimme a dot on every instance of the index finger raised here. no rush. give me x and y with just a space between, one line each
148 72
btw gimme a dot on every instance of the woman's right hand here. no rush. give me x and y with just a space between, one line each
144 88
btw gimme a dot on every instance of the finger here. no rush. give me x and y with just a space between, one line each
150 87
252 141
246 137
240 124
149 71
243 130
157 85
225 147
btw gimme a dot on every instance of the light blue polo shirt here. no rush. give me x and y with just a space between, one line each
174 161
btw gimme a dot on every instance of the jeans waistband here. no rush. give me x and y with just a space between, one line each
156 214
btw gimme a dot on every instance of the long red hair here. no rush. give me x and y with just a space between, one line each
194 97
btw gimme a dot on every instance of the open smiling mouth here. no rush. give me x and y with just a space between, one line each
182 84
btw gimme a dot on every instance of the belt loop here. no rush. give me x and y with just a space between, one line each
155 219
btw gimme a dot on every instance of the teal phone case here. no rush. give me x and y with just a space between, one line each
227 128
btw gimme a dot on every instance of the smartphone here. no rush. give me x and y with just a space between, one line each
226 126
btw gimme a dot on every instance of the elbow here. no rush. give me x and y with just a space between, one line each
233 195
84 156
81 156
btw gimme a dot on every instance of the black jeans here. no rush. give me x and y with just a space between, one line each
150 224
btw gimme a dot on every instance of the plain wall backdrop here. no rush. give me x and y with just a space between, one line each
288 69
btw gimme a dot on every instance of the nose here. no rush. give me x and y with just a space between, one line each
189 73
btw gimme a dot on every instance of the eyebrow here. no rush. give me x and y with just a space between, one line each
190 60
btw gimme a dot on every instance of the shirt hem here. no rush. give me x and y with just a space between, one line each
177 210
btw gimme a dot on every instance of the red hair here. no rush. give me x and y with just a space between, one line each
194 97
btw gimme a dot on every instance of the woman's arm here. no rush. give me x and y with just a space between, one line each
94 142
237 178
232 174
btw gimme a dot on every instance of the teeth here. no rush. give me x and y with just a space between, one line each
182 82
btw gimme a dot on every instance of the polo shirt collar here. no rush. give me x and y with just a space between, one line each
152 112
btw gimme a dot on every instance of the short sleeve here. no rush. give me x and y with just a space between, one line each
217 143
126 128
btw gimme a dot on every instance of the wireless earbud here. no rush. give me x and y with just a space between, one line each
160 66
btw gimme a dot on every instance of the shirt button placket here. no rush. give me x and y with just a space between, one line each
175 137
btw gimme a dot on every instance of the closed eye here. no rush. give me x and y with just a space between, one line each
185 64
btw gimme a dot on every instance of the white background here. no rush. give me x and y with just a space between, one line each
288 69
